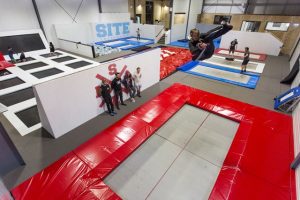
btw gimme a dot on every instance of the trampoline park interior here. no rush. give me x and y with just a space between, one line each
202 129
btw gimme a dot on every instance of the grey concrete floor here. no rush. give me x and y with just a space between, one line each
39 149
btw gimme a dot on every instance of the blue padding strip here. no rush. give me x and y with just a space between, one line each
278 103
227 68
250 84
136 45
180 44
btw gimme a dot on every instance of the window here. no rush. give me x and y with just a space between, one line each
250 26
219 18
277 26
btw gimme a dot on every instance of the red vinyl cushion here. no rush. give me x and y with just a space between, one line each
168 64
256 165
3 63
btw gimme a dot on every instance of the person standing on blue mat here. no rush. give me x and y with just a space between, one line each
138 33
246 60
232 47
116 84
201 45
105 93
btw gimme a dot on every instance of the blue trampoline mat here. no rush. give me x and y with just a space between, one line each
186 44
223 74
125 42
180 44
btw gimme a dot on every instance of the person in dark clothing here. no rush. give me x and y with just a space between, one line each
138 33
128 82
246 60
117 87
201 45
11 53
232 47
105 93
52 49
22 57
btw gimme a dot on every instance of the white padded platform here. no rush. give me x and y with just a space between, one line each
114 42
241 78
135 40
254 56
30 80
130 45
255 67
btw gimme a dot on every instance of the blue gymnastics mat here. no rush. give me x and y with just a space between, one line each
185 44
219 73
126 43
180 44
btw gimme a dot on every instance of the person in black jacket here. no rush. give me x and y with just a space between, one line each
117 87
128 82
232 46
245 60
201 45
105 93
52 49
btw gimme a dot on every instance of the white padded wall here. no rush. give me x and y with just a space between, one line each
258 42
178 30
195 9
64 11
114 6
17 15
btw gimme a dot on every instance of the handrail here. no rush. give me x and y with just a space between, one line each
163 28
294 49
75 42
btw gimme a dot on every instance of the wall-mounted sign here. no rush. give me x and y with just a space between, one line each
109 31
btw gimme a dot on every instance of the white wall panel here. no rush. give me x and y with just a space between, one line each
195 9
258 42
17 15
114 6
209 9
67 102
237 10
223 9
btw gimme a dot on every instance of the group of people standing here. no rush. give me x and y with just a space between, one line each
132 84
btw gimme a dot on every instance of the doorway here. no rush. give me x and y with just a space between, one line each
149 12
138 18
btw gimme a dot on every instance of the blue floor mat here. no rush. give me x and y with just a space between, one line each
180 44
125 42
185 44
251 83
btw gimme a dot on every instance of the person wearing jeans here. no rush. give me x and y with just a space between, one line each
117 87
129 85
105 93
137 81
